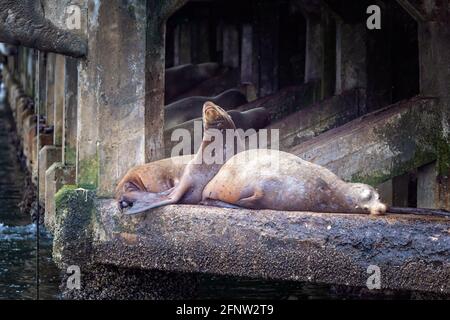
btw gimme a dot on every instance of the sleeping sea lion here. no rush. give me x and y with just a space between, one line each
157 176
248 180
134 197
184 77
187 109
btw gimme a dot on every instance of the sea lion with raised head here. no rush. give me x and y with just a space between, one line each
134 197
271 179
187 109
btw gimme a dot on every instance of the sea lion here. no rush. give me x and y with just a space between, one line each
255 119
157 176
187 109
134 198
248 180
181 78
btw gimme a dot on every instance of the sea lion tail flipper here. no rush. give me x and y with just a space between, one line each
143 201
148 200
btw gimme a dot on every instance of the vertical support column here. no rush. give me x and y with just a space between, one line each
231 46
426 186
111 93
247 54
41 82
434 54
313 65
328 71
176 46
59 85
50 89
154 86
184 49
351 53
267 43
200 49
69 137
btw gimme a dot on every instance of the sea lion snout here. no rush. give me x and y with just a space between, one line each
216 117
378 209
368 199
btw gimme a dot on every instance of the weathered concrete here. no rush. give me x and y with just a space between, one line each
266 44
154 75
380 145
18 21
56 176
247 53
41 82
231 46
412 252
434 52
69 137
385 191
48 155
59 91
427 186
313 68
328 41
319 117
111 91
50 90
351 55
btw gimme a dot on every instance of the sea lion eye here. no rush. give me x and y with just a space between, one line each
366 195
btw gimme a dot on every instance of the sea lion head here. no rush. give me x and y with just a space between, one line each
364 198
214 117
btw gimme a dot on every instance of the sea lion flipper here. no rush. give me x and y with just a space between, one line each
143 201
147 200
252 201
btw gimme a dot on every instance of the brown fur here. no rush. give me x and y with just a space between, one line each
133 191
248 180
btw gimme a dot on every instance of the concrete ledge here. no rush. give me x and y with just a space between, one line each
412 252
381 145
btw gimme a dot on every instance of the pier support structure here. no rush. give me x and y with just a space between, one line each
99 109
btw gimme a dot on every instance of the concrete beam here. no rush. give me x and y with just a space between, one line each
412 253
380 145
317 118
23 23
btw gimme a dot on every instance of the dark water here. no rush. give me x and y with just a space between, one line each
17 233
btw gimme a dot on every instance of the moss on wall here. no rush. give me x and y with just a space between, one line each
88 173
76 213
416 140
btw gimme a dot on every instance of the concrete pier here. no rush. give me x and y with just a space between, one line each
370 105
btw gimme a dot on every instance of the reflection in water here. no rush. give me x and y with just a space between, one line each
18 234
